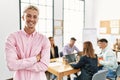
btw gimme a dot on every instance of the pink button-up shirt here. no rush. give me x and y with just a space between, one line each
21 50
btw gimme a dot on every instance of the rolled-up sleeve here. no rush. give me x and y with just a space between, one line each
13 61
45 58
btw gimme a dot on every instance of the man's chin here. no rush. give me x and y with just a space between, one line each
31 27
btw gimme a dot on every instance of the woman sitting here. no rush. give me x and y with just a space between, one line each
87 63
53 54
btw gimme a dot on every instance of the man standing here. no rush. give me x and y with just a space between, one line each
107 58
27 51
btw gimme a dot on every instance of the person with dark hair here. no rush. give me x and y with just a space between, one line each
27 51
70 47
53 54
107 58
103 40
72 38
87 63
53 49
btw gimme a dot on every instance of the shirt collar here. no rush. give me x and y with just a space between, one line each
33 34
70 46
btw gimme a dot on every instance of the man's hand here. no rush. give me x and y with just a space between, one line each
38 57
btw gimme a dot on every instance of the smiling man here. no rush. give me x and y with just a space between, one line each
107 58
27 51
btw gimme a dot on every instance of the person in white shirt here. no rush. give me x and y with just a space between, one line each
107 58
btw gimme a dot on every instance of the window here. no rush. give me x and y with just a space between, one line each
45 23
73 21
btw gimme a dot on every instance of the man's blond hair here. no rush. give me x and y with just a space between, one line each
31 7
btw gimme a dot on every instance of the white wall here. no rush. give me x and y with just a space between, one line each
9 22
106 10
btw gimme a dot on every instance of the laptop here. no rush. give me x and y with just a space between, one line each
71 58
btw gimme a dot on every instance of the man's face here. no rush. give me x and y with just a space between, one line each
72 42
102 45
30 17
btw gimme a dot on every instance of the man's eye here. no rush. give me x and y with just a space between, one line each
28 15
35 17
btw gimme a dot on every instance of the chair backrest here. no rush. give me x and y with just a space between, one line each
118 71
61 54
100 75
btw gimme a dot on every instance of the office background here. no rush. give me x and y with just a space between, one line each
95 11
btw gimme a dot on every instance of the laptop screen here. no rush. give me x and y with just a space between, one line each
71 58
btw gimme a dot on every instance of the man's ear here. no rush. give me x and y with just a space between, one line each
106 44
23 17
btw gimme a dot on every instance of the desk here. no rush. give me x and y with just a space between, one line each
60 70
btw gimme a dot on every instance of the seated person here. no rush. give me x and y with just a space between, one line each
107 58
53 49
87 63
53 54
70 47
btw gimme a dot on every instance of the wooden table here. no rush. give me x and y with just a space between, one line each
59 69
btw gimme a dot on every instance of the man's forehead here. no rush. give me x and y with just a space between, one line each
31 11
99 42
102 42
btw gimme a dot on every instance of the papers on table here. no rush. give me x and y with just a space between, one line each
55 64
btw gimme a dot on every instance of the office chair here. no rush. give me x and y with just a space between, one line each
61 54
100 75
118 72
